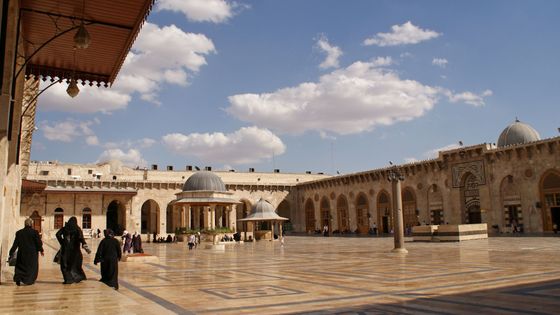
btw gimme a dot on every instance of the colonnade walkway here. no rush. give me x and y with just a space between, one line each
320 275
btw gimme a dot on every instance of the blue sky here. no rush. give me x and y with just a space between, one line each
313 85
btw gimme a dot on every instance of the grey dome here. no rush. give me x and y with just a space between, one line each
264 207
204 180
518 133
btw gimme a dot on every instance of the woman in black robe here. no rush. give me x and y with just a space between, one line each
137 243
29 245
108 254
71 238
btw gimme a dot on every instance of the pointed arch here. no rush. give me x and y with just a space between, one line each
325 207
362 213
342 214
384 211
510 200
115 218
549 186
410 216
309 215
242 211
470 194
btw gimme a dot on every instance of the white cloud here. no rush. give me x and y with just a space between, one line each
333 53
70 130
345 101
131 158
440 62
244 146
92 140
401 35
468 97
216 11
160 55
382 61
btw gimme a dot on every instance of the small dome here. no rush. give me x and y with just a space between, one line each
517 133
204 180
263 206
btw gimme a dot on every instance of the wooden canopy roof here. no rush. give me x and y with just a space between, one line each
49 26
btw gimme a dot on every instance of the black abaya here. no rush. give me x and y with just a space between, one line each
109 254
71 238
28 244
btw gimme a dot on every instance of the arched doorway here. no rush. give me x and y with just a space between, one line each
410 217
309 216
36 221
325 214
116 217
242 211
471 198
285 212
511 203
58 218
150 217
435 205
384 211
342 211
550 199
362 213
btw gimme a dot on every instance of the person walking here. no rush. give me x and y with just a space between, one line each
71 238
127 241
137 243
108 254
28 245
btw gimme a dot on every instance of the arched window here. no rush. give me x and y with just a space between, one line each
86 218
58 218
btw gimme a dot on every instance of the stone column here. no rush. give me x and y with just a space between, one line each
188 223
213 216
204 212
396 179
272 230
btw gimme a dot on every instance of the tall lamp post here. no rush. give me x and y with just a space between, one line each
395 177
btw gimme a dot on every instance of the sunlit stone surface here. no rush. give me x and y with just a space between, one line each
312 274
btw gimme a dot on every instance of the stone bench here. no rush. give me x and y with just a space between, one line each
450 232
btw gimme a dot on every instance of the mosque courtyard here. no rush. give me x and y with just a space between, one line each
320 275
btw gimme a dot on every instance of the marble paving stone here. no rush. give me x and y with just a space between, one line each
311 275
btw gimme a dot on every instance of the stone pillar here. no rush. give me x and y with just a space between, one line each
213 216
280 232
182 214
272 230
188 223
204 212
397 212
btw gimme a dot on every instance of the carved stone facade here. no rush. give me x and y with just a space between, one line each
513 185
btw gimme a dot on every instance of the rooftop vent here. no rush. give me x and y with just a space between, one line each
189 168
169 167
154 167
251 170
307 172
208 168
276 170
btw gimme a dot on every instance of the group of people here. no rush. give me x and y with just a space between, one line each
132 242
28 245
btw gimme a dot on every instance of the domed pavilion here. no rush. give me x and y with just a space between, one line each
263 212
205 203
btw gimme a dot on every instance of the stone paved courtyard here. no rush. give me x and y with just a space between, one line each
509 275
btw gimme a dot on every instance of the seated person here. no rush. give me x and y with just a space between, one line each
169 238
